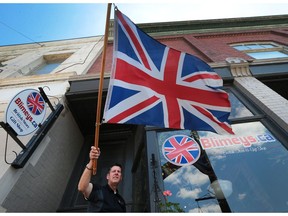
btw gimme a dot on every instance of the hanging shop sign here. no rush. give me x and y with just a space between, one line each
26 111
181 150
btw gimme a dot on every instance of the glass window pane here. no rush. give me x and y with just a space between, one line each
255 163
185 183
244 47
46 68
240 47
267 46
238 110
251 168
254 46
267 55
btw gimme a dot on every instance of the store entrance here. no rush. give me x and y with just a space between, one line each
116 147
121 143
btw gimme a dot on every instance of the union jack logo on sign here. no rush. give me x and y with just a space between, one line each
181 150
35 103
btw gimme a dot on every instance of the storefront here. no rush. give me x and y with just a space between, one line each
245 172
250 167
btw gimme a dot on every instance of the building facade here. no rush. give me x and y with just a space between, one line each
245 172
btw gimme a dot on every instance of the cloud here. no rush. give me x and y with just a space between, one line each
207 208
242 196
191 194
194 177
187 175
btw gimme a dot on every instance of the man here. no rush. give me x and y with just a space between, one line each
102 198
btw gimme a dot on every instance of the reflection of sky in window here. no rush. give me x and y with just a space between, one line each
253 46
187 183
238 110
267 55
46 68
258 173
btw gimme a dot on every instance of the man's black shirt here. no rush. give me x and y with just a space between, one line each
103 199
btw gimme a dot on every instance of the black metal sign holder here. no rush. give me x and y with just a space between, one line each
30 147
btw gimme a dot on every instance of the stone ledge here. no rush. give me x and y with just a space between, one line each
35 79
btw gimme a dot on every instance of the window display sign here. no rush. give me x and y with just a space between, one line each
181 150
246 141
26 111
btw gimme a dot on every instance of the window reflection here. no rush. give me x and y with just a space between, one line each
186 183
238 110
256 164
253 161
46 68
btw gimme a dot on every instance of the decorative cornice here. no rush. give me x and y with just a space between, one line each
232 34
238 67
214 25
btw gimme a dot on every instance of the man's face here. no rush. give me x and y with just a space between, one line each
115 175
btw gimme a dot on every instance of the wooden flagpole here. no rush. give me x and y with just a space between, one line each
96 138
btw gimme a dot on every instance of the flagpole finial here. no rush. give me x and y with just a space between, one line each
115 7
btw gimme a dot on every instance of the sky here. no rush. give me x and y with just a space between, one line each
31 22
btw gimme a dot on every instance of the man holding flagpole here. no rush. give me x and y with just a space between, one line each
153 84
102 198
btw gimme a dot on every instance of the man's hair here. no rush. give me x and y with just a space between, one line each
115 164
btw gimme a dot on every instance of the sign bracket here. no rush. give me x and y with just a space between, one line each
24 155
43 94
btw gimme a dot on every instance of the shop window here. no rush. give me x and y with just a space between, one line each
262 50
245 172
254 162
246 166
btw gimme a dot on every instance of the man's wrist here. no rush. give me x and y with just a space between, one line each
89 168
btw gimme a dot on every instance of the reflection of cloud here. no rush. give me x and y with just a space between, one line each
250 128
243 129
194 177
187 182
174 178
192 194
187 175
221 188
238 109
241 112
207 208
242 196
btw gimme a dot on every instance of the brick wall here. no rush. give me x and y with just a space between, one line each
210 47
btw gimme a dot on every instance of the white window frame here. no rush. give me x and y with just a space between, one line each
275 47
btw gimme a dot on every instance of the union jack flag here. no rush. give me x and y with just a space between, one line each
181 150
35 103
152 84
